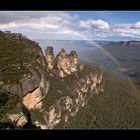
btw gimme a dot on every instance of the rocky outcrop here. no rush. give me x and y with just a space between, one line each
30 77
21 121
35 85
33 99
49 54
18 119
83 88
79 94
23 76
73 56
53 117
33 88
31 80
64 63
29 83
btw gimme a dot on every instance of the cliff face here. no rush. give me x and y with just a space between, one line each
26 64
76 97
49 54
22 72
35 85
68 89
71 87
56 87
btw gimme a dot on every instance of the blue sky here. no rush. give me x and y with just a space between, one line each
113 17
73 25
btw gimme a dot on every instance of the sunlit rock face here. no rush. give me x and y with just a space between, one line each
18 119
35 88
73 56
49 54
67 107
33 99
87 83
64 63
35 85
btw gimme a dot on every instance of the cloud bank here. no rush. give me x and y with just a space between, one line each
64 26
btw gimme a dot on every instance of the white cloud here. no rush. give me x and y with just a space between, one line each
54 25
125 30
136 25
61 25
100 24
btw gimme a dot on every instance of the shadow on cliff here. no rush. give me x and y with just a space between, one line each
29 124
6 125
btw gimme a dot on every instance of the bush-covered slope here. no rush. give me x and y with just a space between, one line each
20 58
117 107
16 52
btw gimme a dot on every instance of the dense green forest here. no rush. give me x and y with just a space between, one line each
9 103
117 107
14 56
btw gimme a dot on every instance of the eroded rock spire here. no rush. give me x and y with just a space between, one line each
65 63
49 54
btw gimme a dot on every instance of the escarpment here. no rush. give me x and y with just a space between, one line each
71 87
51 89
22 73
74 98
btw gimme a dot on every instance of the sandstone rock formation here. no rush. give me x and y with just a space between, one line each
31 75
23 78
33 99
29 82
73 60
18 119
65 63
21 121
35 85
31 70
49 54
82 90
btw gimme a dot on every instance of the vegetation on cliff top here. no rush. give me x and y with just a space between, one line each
61 87
36 115
9 104
117 107
17 55
16 51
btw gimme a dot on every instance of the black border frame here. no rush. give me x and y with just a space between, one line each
69 5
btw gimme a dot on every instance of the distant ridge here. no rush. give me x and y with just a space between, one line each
132 43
